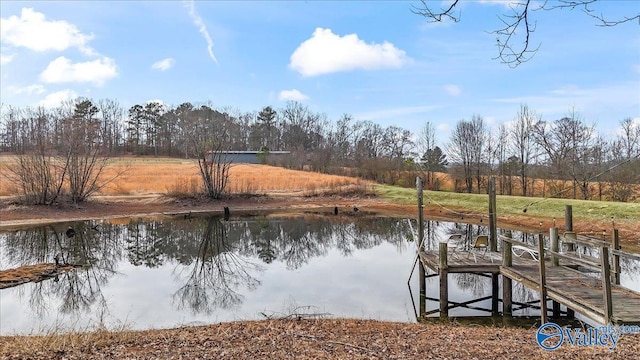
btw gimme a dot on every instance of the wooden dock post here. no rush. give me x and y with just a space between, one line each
568 226
419 188
543 286
444 285
553 236
495 288
507 284
568 218
423 290
493 242
616 257
420 241
606 285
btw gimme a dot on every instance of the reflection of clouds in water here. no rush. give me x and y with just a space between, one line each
370 284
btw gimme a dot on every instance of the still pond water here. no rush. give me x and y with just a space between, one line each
159 273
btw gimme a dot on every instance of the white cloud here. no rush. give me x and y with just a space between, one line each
452 90
197 21
5 59
35 89
443 127
595 100
55 99
293 95
490 120
510 4
95 71
395 112
33 31
163 65
326 52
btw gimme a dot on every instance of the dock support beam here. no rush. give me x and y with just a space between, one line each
568 226
507 285
423 289
493 242
606 285
616 258
543 285
420 240
444 285
553 236
495 288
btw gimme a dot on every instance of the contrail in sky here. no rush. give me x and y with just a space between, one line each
197 21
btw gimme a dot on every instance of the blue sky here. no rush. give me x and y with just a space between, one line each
375 60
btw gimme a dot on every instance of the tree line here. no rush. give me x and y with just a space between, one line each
567 155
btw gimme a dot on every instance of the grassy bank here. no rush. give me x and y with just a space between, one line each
449 202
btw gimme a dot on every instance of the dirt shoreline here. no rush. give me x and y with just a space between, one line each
104 207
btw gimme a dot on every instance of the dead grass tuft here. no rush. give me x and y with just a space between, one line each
56 343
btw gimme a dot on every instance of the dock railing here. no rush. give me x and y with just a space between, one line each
607 264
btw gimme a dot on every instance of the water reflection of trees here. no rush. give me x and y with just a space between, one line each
215 260
478 285
96 253
144 243
216 274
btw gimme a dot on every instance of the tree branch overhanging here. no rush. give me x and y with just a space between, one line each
518 24
431 16
518 19
585 5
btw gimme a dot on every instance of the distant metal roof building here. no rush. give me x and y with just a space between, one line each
255 157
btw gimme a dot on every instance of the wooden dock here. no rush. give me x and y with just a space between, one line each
584 285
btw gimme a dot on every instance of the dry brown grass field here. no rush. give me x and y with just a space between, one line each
181 177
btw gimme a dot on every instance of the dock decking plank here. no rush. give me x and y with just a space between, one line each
568 286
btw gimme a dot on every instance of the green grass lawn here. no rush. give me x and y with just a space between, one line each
514 205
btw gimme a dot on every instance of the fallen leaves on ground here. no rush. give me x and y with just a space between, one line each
307 339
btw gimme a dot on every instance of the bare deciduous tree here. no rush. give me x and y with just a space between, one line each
623 162
522 144
83 162
206 140
514 38
432 159
36 177
566 145
466 147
